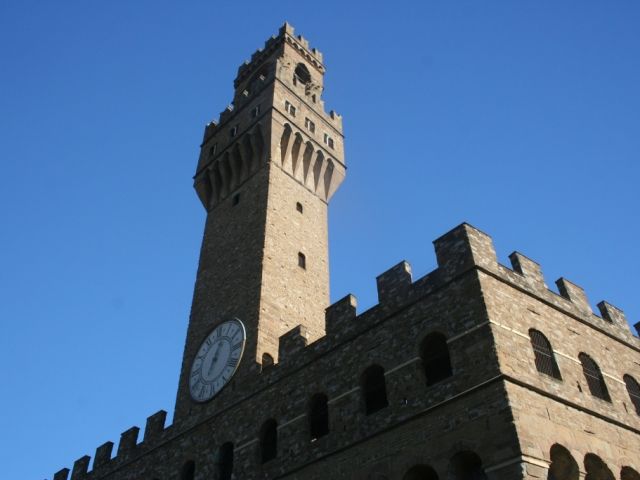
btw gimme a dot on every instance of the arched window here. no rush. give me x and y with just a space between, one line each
634 391
302 74
374 389
318 416
269 440
267 360
466 466
596 469
188 471
224 461
628 473
563 465
545 360
435 358
420 472
594 377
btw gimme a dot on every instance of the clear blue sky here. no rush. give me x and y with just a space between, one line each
521 118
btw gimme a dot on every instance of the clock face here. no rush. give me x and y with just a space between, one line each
217 360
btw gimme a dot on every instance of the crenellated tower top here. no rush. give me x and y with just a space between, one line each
280 86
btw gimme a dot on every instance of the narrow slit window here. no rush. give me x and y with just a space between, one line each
224 461
212 149
235 200
302 261
234 131
299 207
256 111
374 389
318 416
269 441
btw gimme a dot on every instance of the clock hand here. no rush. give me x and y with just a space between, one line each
215 359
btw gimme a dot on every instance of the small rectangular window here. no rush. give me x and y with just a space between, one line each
212 149
309 125
256 111
328 140
234 131
235 200
299 207
302 261
290 109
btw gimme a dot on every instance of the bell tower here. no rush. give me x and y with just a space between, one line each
266 172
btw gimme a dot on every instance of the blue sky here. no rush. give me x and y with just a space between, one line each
518 117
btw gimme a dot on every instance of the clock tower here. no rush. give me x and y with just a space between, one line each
266 172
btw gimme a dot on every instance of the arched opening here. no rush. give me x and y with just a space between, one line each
435 358
269 440
224 461
563 465
267 360
188 470
420 472
628 473
466 465
596 469
318 416
302 74
634 391
374 389
593 375
544 357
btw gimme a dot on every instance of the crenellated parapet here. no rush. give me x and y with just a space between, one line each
285 35
128 449
459 251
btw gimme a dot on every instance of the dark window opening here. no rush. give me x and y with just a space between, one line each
435 358
256 111
290 109
235 200
267 360
563 466
633 388
302 260
212 149
628 473
302 74
466 466
313 98
269 441
420 472
596 469
309 125
318 416
593 375
224 461
234 131
188 471
299 207
374 389
544 358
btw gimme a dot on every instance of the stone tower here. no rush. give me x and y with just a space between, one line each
475 371
265 175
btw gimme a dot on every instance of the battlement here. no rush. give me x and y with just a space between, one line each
462 250
285 34
155 432
459 251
